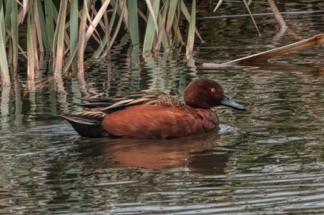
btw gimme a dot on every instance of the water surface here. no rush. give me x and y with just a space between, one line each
266 160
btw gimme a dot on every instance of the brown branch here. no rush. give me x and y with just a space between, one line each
276 13
264 56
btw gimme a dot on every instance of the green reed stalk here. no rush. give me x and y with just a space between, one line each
82 36
74 23
170 19
133 22
14 35
107 33
123 8
186 13
49 18
3 57
191 33
43 27
93 23
59 37
161 37
106 41
30 46
253 20
38 28
74 28
151 27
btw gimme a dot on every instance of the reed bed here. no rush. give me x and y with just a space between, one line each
61 31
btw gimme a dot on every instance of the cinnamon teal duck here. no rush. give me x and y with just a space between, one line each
153 115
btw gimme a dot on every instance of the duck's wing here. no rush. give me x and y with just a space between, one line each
110 105
87 123
105 102
167 101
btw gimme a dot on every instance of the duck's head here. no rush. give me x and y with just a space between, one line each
206 93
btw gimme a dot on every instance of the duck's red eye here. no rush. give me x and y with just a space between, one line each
212 90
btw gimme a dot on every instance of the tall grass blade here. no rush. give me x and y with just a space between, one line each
12 27
133 22
125 13
8 13
14 35
118 24
43 27
171 15
30 51
59 55
38 27
187 16
107 38
253 20
82 44
107 33
49 17
3 57
161 32
153 12
74 23
218 4
7 27
178 34
151 26
112 18
82 37
191 32
276 13
24 10
35 38
96 20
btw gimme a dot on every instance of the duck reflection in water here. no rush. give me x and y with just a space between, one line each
194 152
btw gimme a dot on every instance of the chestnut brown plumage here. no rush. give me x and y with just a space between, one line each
154 115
